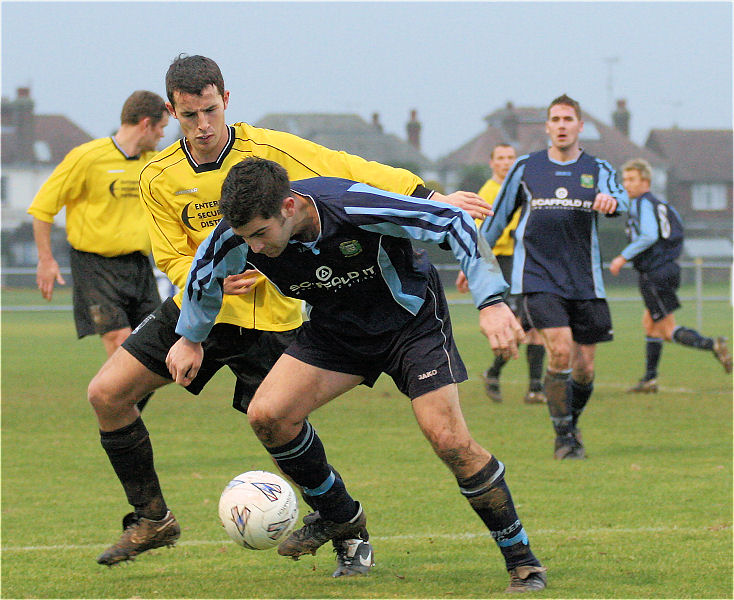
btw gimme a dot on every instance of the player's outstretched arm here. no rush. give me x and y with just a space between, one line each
468 201
502 329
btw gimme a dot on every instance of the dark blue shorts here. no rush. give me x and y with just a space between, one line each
249 353
420 357
659 290
590 320
111 293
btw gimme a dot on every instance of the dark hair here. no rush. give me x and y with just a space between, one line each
255 187
142 104
191 74
566 101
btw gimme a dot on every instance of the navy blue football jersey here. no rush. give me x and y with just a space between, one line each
556 240
655 233
361 275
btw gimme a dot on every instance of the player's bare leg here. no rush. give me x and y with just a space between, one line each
278 414
481 480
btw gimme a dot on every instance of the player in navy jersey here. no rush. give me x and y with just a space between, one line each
655 234
376 306
557 264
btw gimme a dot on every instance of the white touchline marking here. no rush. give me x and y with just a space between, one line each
411 536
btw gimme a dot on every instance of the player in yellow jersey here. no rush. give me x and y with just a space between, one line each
180 189
501 159
113 283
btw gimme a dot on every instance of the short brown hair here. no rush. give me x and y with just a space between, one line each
566 101
641 166
191 74
142 104
501 145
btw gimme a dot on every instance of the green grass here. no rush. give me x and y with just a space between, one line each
648 515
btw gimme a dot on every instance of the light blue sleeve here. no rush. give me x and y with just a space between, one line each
504 204
608 185
221 254
434 222
648 235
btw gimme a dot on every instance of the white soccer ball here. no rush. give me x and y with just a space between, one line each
258 509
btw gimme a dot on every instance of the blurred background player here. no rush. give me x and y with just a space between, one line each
655 233
557 264
113 283
501 159
180 189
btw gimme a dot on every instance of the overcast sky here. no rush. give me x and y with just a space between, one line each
455 62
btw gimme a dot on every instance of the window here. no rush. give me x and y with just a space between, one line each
709 196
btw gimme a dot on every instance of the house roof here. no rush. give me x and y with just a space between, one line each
54 136
350 133
703 155
524 128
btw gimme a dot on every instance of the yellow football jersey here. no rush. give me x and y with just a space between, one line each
505 245
98 184
181 201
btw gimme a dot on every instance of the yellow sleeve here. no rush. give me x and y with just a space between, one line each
303 159
66 183
172 250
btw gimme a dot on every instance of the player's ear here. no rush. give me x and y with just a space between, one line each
171 110
225 99
288 209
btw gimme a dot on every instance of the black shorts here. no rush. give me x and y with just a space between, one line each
249 353
420 357
514 301
659 290
589 320
111 293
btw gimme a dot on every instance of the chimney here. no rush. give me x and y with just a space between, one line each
376 122
414 130
25 133
510 121
621 117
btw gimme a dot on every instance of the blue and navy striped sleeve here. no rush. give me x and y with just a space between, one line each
648 231
509 198
402 216
221 254
608 185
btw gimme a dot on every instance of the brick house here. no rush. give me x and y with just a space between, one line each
30 147
699 177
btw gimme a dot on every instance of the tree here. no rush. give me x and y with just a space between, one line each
473 177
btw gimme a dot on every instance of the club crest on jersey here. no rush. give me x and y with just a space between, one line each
350 248
561 193
587 181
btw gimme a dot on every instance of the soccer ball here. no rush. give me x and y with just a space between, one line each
258 509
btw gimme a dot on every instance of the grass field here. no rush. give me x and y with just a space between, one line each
648 515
